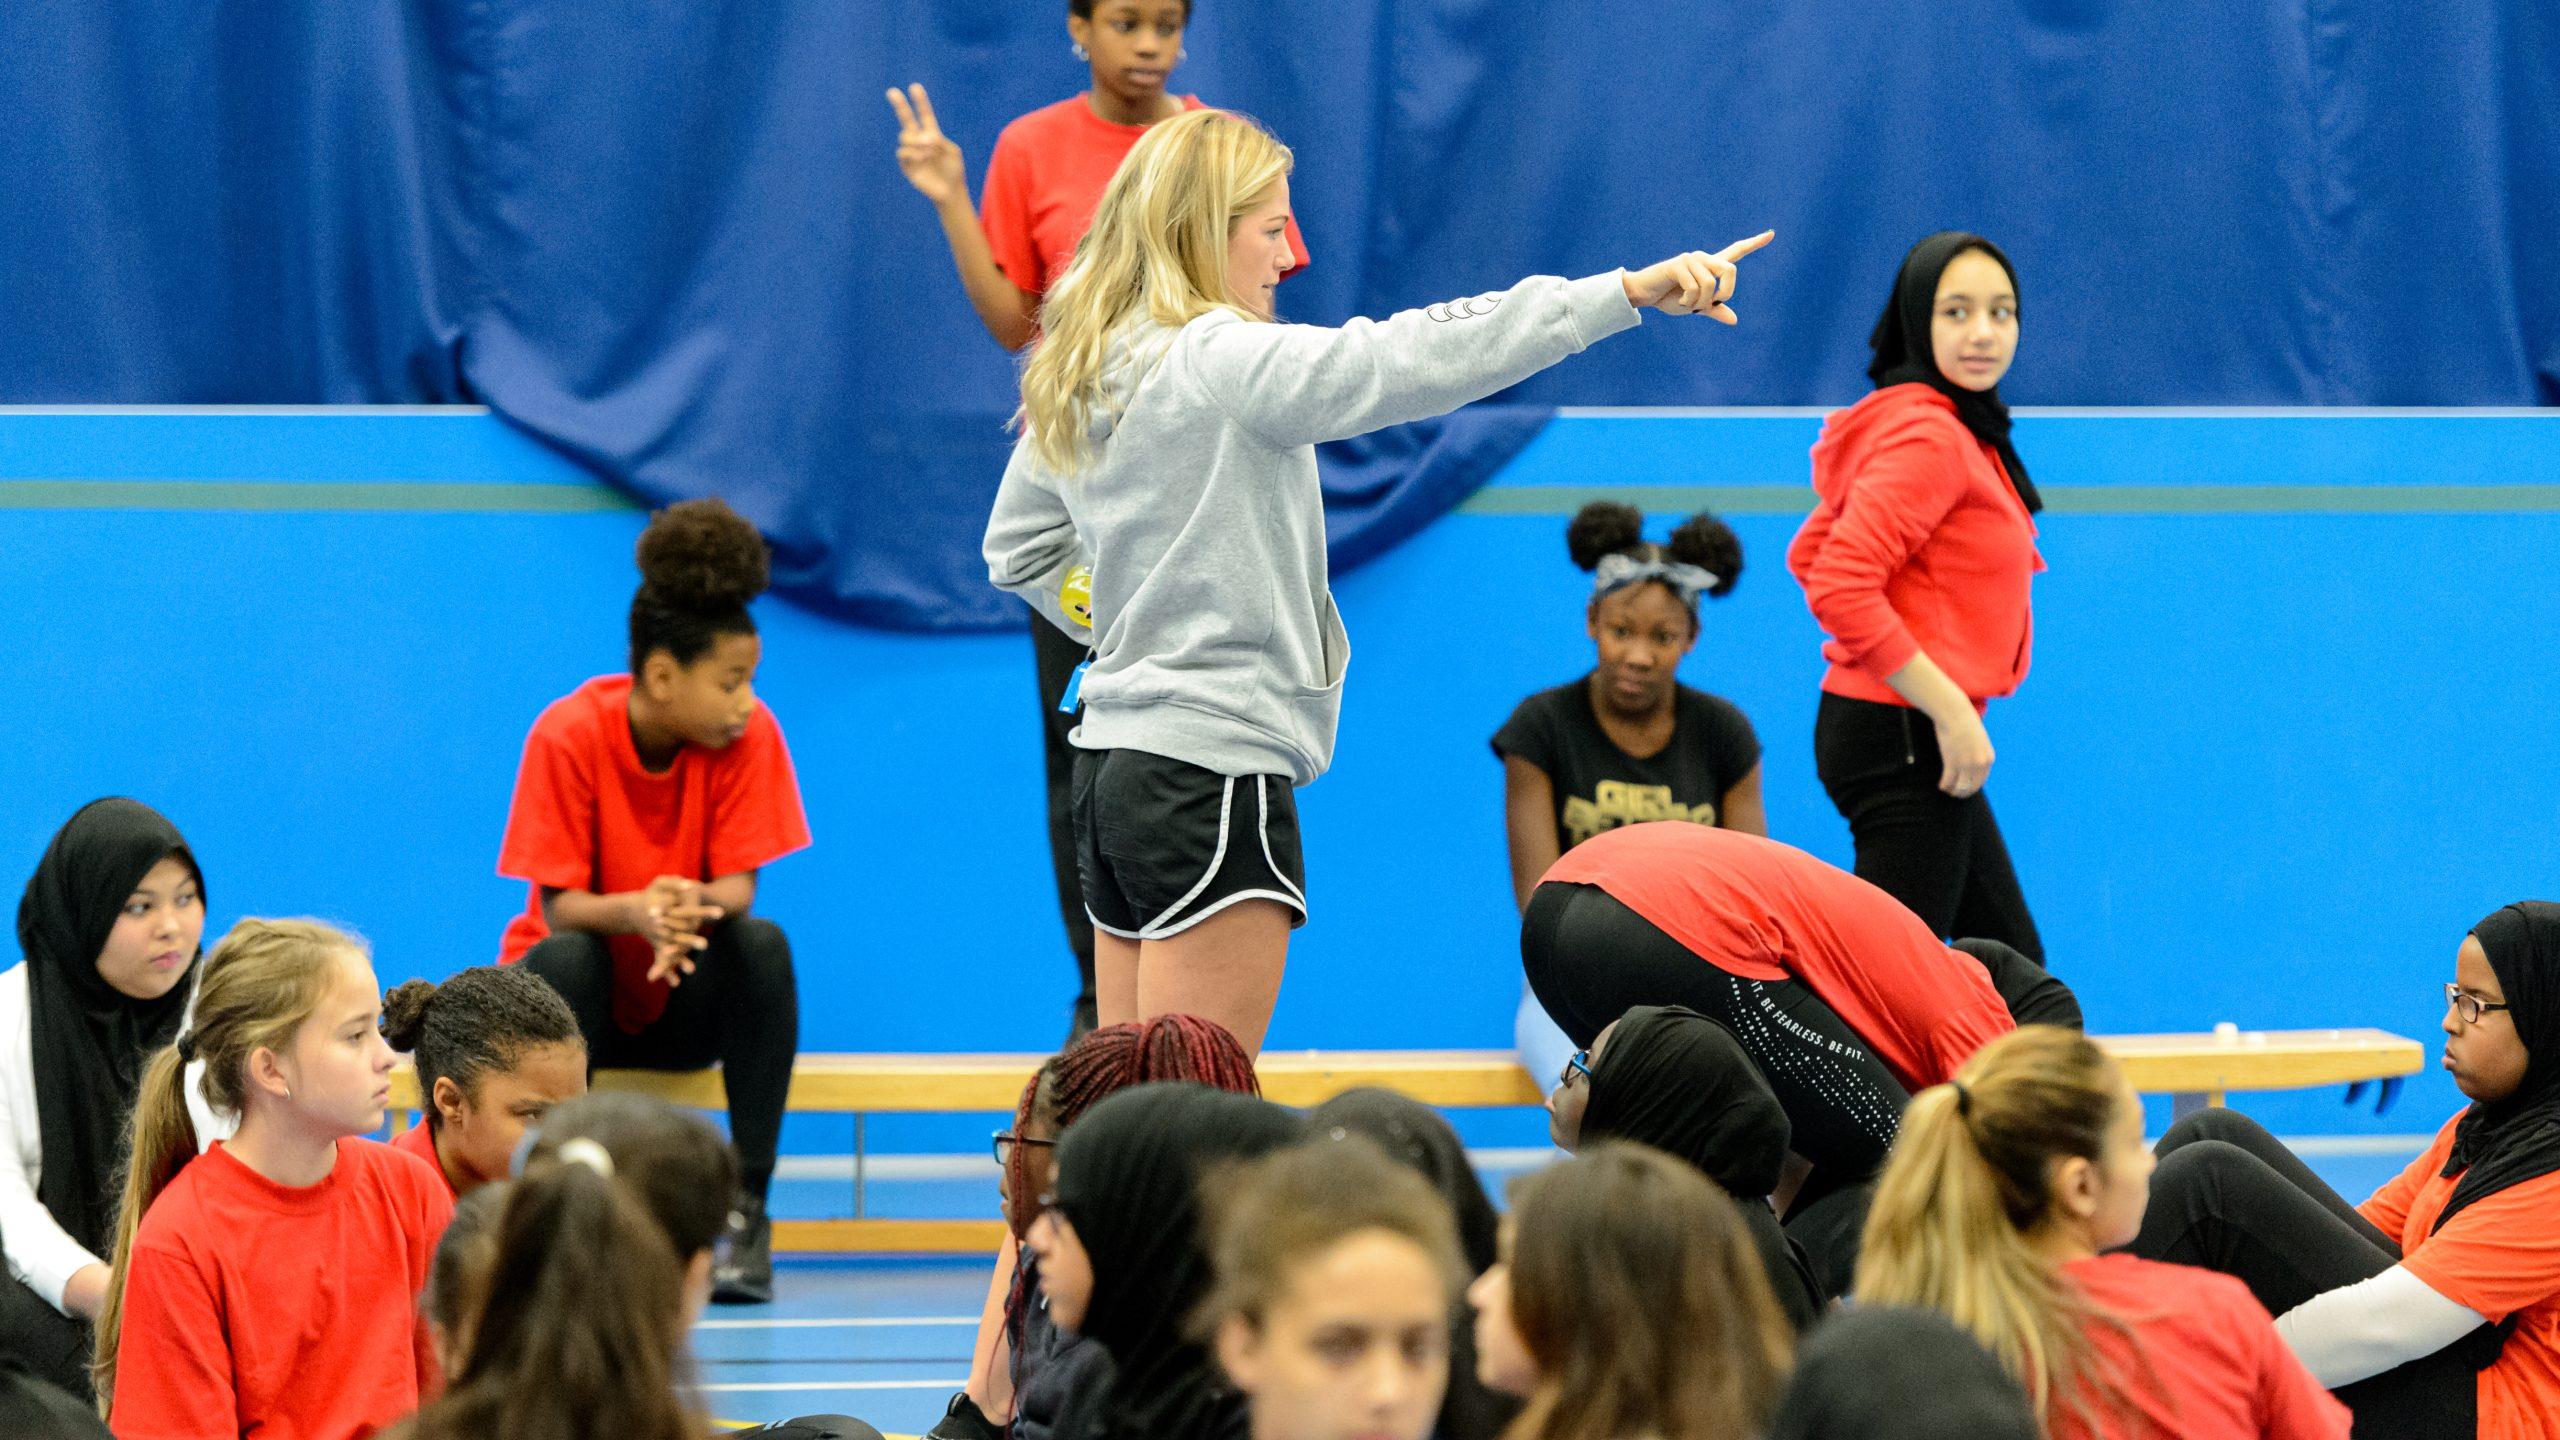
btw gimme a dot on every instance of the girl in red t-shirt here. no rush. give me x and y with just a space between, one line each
495 1048
1043 183
2005 1191
2434 1307
270 1285
645 805
1916 561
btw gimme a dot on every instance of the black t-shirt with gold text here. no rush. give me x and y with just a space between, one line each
1600 787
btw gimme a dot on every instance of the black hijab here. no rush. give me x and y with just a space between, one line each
1904 356
2508 1142
1417 1136
1129 1174
1882 1373
1675 1080
90 1039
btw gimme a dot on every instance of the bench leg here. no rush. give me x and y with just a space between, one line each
2188 1102
861 1159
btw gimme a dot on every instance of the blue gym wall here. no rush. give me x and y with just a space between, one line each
2290 728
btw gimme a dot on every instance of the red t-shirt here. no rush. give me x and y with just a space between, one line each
2205 1362
420 1141
588 816
1917 541
258 1309
1044 181
2499 1256
1765 911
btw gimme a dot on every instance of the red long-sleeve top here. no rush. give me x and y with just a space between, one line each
1917 542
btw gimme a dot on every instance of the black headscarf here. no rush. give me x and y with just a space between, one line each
1128 1179
1883 1373
2508 1142
1675 1080
1904 355
1416 1135
90 1039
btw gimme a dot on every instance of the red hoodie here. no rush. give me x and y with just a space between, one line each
1917 542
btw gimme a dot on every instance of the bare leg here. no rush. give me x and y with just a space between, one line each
1226 968
990 1385
1115 978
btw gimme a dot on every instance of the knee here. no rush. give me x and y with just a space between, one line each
763 951
2229 1128
2192 1178
574 961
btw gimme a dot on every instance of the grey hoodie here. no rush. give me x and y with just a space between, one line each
1216 641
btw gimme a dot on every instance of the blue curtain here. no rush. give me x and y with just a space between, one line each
669 238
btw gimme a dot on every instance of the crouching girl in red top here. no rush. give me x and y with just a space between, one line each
646 804
2007 1186
270 1286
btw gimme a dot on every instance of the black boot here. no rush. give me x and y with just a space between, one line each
744 1275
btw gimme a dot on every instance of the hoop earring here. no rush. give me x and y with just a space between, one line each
1080 52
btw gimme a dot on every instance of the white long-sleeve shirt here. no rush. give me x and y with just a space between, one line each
40 1252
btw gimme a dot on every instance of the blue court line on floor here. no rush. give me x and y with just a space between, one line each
2059 499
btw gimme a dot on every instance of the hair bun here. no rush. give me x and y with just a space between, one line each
699 555
1710 544
1601 529
404 1014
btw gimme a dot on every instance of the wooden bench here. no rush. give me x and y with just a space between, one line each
2198 1069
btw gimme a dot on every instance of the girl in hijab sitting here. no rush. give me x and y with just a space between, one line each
1673 1079
1124 1262
2433 1309
110 927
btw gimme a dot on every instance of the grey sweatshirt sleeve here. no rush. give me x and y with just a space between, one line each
1031 545
1301 384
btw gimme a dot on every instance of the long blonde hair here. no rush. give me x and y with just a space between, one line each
1158 245
257 987
1970 1180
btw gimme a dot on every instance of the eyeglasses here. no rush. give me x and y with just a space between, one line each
1005 1140
1578 1063
2469 1006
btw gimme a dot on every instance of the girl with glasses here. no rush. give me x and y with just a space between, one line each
2433 1308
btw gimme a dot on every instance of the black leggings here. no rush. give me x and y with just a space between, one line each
1590 959
53 1347
1055 656
739 1007
1941 856
2230 1197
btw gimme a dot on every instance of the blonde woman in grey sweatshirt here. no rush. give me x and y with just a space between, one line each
1163 506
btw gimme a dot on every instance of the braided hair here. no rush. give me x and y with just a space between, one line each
479 1021
1106 1061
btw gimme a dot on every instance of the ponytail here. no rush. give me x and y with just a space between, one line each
164 1139
569 1344
1968 1184
257 987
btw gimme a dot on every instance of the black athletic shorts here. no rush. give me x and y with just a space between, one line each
1162 845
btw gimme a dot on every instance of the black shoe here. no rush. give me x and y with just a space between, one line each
744 1274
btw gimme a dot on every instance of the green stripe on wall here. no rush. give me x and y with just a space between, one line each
2059 499
430 497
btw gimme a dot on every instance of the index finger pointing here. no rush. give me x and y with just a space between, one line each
1740 248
